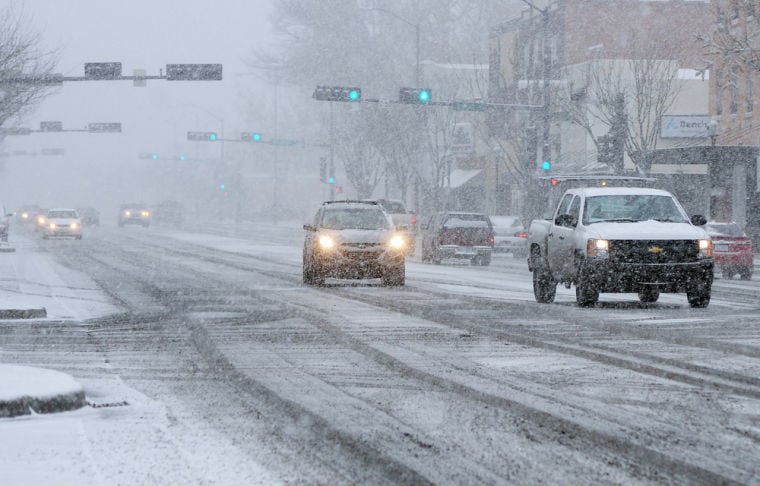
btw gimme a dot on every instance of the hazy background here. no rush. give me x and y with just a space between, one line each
103 170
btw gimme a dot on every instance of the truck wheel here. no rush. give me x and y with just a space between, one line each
585 293
649 294
485 260
745 274
728 274
698 294
544 286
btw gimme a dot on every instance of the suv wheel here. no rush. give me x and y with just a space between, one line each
394 276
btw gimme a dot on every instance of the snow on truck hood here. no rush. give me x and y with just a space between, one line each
645 230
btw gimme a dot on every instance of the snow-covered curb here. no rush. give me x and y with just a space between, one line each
24 390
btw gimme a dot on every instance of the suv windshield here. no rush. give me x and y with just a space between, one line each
355 218
631 207
62 214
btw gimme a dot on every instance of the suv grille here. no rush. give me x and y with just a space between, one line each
654 251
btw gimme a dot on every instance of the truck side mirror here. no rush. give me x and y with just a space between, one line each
698 220
566 220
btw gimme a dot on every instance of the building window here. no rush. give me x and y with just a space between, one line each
751 8
733 91
718 93
750 100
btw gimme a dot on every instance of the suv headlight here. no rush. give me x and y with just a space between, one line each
326 242
397 242
705 248
597 248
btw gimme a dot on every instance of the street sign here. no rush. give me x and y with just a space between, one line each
52 151
102 70
337 93
104 127
193 72
250 136
202 136
51 126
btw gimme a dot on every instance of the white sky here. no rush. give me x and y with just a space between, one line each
141 34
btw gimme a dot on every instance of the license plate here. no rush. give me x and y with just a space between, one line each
721 247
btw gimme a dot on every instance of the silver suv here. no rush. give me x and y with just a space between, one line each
353 240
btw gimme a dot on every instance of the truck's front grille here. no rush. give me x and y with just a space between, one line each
654 251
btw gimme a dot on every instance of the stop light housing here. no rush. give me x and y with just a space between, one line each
337 93
419 96
546 166
202 136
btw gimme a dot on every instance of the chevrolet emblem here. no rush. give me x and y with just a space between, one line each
655 249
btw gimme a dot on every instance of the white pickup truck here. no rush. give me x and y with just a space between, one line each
611 239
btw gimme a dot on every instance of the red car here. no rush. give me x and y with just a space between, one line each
732 249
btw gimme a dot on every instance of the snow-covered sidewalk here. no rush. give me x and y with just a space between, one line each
25 390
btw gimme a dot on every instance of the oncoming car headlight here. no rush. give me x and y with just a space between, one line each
53 226
705 248
397 242
74 225
145 213
597 248
326 242
127 213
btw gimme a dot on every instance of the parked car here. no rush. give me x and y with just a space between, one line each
89 216
510 236
458 235
404 220
732 249
353 239
63 222
134 213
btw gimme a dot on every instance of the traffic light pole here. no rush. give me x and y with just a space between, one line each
331 168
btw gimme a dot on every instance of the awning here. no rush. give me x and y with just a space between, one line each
460 177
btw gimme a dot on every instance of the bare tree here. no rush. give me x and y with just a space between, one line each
649 87
23 67
731 46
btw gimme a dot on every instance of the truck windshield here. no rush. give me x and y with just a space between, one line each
631 207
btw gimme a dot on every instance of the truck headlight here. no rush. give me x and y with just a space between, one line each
326 242
597 248
397 242
705 248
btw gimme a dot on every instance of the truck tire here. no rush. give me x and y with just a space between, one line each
745 273
544 285
649 294
698 294
586 294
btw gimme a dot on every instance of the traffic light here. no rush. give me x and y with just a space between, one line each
322 170
154 156
222 186
546 166
250 136
202 136
331 179
338 189
182 158
418 96
337 93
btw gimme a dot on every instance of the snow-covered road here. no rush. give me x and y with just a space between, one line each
230 365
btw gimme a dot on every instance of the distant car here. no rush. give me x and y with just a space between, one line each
89 216
510 236
168 213
353 239
404 220
5 223
63 222
458 235
40 220
134 213
732 249
26 214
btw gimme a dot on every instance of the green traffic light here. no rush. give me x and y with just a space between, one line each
256 137
212 137
353 95
154 156
424 96
546 165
